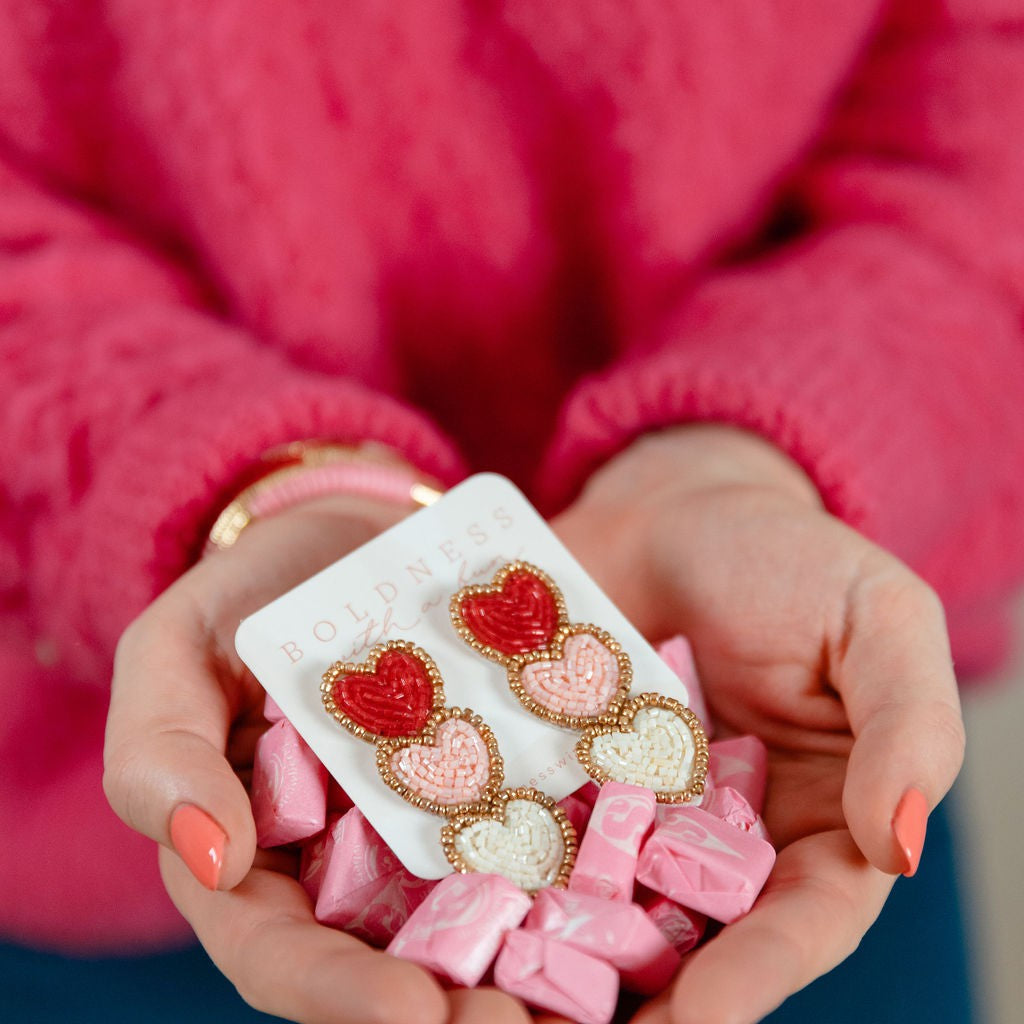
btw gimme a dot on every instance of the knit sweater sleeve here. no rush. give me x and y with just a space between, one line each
129 412
882 348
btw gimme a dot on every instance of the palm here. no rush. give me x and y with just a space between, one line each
795 622
805 634
200 712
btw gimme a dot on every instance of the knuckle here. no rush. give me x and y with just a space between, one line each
258 941
800 956
253 993
493 1005
254 987
929 605
123 783
898 598
130 653
945 725
131 640
113 774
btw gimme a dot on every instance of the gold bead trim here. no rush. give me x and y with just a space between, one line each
368 668
495 587
555 652
496 812
624 724
386 748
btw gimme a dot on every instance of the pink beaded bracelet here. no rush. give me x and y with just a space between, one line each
308 470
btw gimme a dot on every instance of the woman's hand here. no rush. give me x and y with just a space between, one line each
184 718
805 633
811 637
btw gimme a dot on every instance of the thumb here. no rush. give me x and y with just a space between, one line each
165 771
896 679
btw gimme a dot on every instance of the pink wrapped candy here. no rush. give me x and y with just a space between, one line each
731 806
380 920
741 763
682 928
619 933
457 931
364 888
678 655
577 811
337 799
550 975
271 711
606 861
588 793
705 864
315 855
289 788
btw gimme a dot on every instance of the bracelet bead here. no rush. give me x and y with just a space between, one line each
303 472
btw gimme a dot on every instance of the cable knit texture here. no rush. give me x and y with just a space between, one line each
535 229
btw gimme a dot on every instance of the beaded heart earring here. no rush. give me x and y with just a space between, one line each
578 676
445 760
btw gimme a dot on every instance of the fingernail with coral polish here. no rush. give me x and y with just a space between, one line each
199 841
909 824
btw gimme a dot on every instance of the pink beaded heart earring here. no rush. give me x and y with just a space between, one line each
445 760
578 676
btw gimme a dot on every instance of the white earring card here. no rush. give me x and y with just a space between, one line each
398 587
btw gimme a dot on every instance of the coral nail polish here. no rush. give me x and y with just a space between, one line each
909 824
199 841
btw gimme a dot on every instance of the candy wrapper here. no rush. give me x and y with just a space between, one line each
271 712
315 855
742 764
380 920
457 931
606 862
550 975
705 864
678 655
337 799
619 933
577 810
289 788
731 806
566 951
682 928
364 888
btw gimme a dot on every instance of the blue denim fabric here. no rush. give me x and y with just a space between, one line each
912 967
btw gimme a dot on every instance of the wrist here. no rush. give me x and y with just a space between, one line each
367 482
330 527
359 513
666 482
276 553
696 458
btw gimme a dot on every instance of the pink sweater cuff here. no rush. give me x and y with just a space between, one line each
144 519
857 354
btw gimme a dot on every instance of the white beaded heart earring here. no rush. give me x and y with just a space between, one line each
445 760
578 676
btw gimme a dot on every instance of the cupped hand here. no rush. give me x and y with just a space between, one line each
185 714
806 634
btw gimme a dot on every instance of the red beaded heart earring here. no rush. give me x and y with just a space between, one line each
445 760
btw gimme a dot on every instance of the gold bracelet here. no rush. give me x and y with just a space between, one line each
305 470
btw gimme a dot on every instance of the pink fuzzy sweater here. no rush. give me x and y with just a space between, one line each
491 235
